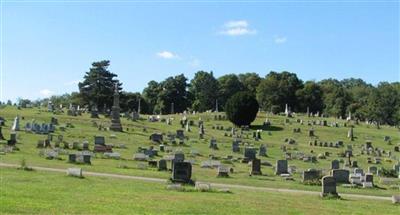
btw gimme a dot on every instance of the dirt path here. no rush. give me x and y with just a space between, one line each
218 185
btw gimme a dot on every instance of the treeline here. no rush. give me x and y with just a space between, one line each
205 92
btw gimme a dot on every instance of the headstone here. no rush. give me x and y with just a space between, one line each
340 175
328 186
250 153
15 126
223 171
13 139
263 150
182 172
369 178
162 165
311 175
140 157
373 170
99 140
350 134
180 134
255 167
156 137
235 146
213 144
1 134
115 111
281 167
75 172
335 164
72 158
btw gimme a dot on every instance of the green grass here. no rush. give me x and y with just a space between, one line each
135 138
34 192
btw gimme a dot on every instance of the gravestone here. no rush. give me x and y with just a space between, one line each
354 164
72 158
350 134
369 178
373 170
223 171
152 164
235 146
86 159
75 172
213 144
340 175
250 153
162 165
311 133
115 111
281 167
99 140
13 139
335 164
178 157
329 186
156 137
180 134
182 172
15 126
255 167
1 134
358 171
311 175
262 150
85 145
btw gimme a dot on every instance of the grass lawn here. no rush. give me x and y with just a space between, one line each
36 192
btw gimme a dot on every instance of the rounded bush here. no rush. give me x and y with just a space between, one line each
241 109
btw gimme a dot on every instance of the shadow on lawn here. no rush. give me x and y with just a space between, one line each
269 128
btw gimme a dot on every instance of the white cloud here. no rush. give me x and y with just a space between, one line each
46 92
167 55
237 24
280 40
72 83
237 28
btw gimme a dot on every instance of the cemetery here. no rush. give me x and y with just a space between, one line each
199 107
276 158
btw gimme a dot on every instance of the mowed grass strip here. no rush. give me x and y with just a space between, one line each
38 192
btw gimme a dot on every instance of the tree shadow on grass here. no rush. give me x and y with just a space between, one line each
269 128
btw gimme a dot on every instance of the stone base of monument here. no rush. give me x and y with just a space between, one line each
116 127
330 195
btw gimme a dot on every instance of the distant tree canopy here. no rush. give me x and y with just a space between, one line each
204 88
332 97
278 89
241 108
98 85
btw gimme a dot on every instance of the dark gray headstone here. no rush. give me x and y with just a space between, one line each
335 164
340 175
281 167
311 175
328 186
162 165
250 153
255 167
182 172
99 140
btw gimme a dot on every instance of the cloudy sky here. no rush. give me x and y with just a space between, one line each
47 46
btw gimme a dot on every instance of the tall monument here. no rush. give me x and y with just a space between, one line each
115 120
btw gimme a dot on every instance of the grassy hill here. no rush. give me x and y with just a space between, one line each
98 195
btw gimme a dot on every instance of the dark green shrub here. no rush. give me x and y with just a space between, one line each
241 109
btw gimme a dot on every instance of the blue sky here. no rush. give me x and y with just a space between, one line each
47 46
